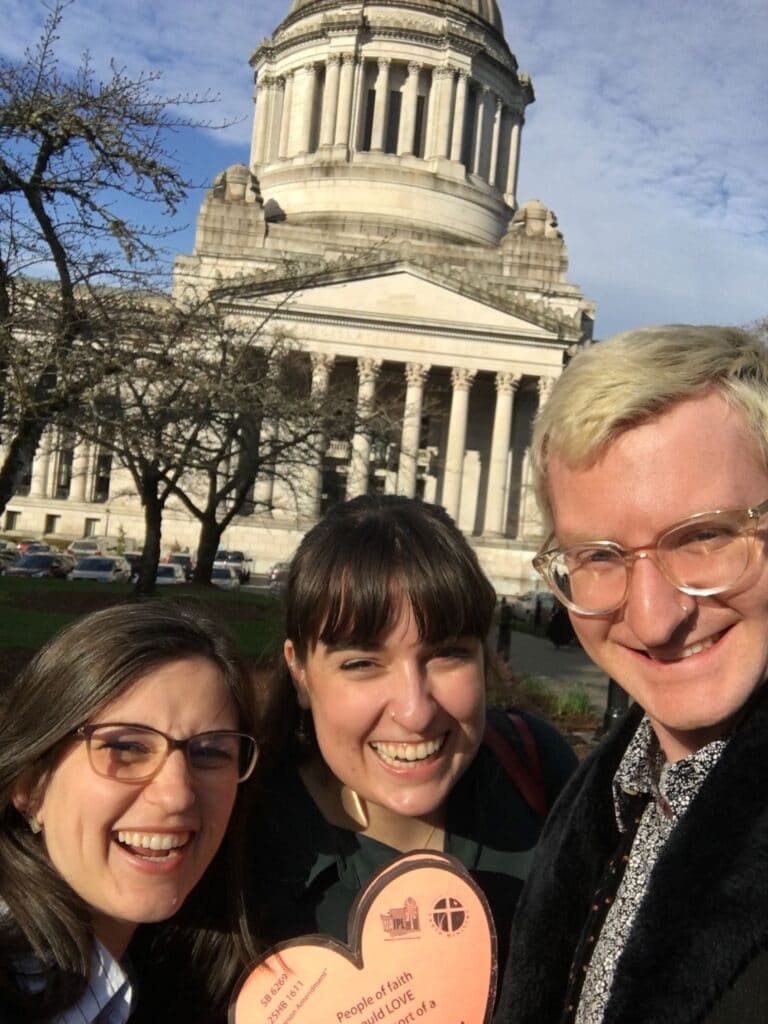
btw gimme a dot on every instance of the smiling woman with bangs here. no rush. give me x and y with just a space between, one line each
381 741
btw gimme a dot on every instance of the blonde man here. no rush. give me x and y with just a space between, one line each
648 901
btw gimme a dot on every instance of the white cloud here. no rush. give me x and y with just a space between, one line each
648 137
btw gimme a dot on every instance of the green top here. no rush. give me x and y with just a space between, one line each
306 873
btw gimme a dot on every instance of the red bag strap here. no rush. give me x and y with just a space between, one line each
527 775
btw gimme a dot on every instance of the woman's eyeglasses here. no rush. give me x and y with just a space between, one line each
136 753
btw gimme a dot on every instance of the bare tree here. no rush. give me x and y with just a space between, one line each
75 153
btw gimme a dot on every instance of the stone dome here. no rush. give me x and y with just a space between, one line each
487 10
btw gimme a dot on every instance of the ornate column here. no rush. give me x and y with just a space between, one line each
308 107
495 499
263 490
80 463
276 96
322 365
359 465
444 90
408 111
514 158
430 137
493 168
415 377
481 121
41 464
459 114
330 101
259 120
285 121
544 386
344 115
381 108
461 382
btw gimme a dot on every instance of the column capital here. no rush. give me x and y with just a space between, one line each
444 71
279 83
333 59
322 361
463 75
544 386
384 62
462 378
416 373
507 383
414 67
348 58
368 370
499 104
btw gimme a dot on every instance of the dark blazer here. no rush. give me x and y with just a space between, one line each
697 948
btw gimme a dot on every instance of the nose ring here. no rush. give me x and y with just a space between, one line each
686 610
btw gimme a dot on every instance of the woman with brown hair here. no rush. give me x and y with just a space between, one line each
386 744
121 749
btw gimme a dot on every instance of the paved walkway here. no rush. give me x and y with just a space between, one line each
560 668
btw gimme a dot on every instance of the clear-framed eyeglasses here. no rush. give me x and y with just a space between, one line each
703 555
135 753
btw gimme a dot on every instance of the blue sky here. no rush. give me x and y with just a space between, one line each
648 138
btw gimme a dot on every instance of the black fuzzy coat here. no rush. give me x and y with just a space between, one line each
697 948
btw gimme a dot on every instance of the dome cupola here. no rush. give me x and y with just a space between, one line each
401 117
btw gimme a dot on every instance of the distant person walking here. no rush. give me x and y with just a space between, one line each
559 629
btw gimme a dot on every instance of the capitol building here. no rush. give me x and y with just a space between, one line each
385 147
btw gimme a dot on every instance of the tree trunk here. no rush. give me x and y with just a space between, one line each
208 545
20 453
153 521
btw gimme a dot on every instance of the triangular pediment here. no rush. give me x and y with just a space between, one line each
403 293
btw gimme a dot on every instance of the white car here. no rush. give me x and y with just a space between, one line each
225 577
84 549
102 570
170 574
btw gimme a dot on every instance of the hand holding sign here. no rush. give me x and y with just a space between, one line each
422 949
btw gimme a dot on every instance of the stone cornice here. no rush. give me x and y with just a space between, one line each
289 315
473 286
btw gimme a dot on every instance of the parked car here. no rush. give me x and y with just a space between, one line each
524 607
278 574
185 561
8 557
225 577
54 565
39 547
133 558
103 570
84 549
241 564
169 574
22 545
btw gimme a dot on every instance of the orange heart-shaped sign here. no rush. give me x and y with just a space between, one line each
422 949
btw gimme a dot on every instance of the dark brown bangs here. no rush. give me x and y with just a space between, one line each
347 583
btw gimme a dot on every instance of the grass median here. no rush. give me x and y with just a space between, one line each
32 610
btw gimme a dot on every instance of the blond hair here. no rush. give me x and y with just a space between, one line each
618 384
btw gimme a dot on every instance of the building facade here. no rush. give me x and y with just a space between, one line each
383 169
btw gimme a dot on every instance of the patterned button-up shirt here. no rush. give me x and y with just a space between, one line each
672 787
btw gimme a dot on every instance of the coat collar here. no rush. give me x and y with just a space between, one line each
706 915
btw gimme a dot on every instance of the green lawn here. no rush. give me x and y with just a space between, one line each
31 611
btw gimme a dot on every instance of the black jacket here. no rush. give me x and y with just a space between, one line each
697 948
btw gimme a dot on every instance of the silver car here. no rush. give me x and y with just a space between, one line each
102 570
